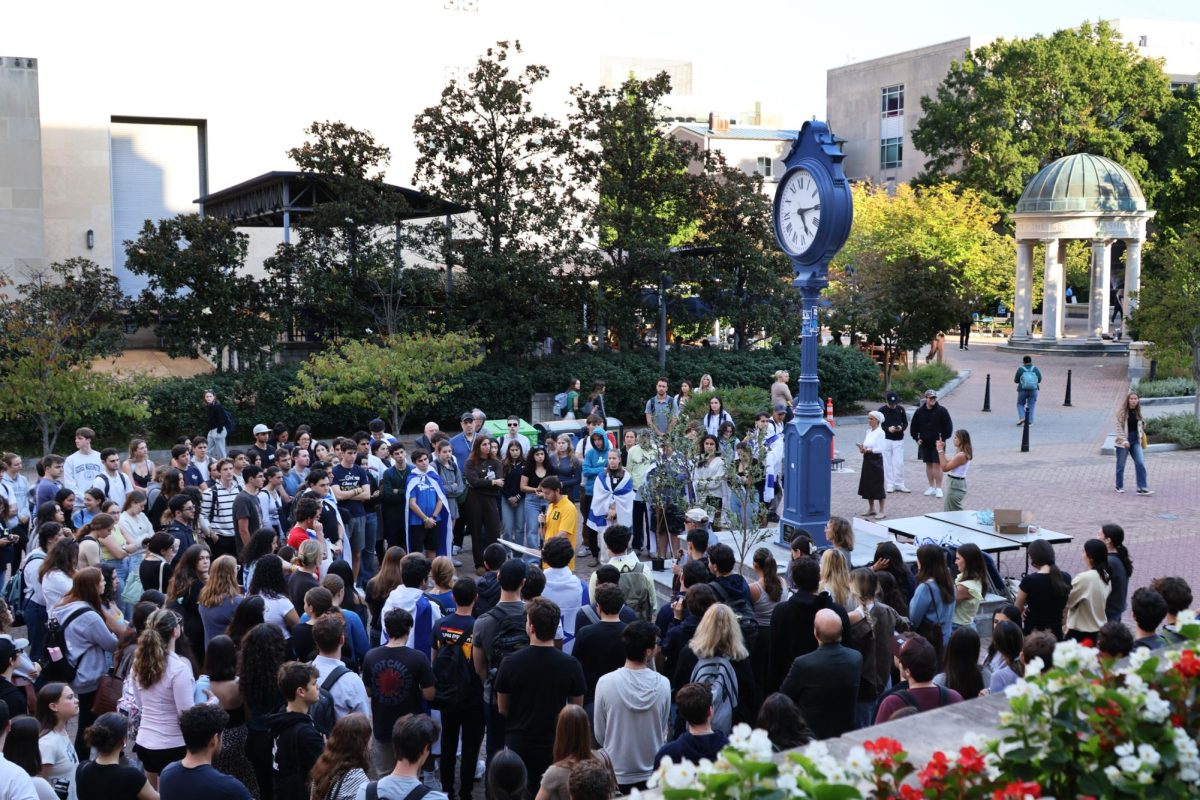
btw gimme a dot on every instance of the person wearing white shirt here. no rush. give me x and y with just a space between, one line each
114 483
348 692
83 466
514 425
36 608
715 416
871 482
14 486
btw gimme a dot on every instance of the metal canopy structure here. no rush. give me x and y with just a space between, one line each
273 199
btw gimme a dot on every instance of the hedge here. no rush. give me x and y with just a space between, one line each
742 402
1167 387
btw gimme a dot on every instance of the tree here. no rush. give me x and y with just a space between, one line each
1013 106
50 336
483 146
1169 297
746 281
637 203
397 373
199 298
1175 162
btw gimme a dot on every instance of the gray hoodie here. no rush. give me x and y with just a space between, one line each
88 642
632 713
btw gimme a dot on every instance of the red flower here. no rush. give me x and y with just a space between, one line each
883 745
935 771
970 761
908 792
1086 642
1177 720
1017 790
1110 709
1188 664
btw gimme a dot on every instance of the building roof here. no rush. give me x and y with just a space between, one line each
1082 182
260 202
772 134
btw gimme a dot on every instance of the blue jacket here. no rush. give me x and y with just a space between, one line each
926 603
595 461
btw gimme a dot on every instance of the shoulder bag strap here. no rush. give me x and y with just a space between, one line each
418 792
373 790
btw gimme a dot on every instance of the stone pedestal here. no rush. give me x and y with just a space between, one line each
1139 361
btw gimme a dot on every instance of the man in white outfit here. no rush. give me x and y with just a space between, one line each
895 423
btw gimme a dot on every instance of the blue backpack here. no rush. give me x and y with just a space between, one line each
1029 379
560 404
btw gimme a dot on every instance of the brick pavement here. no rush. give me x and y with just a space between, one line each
1063 480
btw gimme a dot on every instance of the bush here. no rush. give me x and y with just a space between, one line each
1167 387
911 384
1183 429
742 402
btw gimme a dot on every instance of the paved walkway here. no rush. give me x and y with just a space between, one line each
1063 480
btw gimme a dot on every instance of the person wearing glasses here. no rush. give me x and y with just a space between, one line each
513 435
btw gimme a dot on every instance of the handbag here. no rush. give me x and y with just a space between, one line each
108 692
133 584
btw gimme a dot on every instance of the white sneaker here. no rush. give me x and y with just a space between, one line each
480 768
891 489
903 489
456 550
938 493
929 492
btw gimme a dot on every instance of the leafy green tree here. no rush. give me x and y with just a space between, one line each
1175 162
52 329
1012 106
199 297
1170 296
746 281
483 146
397 373
637 203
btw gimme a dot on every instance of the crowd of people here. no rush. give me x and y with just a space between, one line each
293 619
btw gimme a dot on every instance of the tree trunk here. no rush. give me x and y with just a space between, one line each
1196 377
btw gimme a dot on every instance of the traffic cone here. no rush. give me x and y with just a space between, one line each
829 419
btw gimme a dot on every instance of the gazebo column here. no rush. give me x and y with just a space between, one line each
1097 295
1133 275
1023 306
1106 284
1052 294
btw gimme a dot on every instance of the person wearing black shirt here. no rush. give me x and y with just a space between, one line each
532 686
398 679
1043 592
262 446
1149 611
930 423
351 487
483 473
465 717
792 633
10 695
105 777
598 646
317 602
895 423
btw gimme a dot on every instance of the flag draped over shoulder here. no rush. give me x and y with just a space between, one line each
428 490
606 496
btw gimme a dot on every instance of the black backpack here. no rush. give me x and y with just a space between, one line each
323 713
454 673
510 637
742 610
60 670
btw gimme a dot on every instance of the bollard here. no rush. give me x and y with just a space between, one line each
829 419
987 393
1153 376
1025 431
1067 401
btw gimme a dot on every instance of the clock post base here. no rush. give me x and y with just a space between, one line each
807 481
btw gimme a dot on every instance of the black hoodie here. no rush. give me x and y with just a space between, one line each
489 592
297 743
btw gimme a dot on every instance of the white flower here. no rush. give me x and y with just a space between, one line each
1124 749
1148 754
787 784
1134 683
1189 775
1112 773
705 767
759 746
1185 617
815 750
1139 657
635 794
857 761
1129 764
680 776
1023 688
1034 667
1073 657
739 737
1154 708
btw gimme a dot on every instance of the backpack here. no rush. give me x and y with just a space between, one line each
454 674
560 404
323 713
60 670
28 590
592 615
909 700
636 592
510 637
744 612
717 674
227 421
108 485
1029 379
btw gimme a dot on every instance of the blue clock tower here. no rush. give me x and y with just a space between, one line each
813 211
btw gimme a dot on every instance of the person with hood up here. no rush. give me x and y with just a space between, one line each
632 711
297 742
569 592
595 462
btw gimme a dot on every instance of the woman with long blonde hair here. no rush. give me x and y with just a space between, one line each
835 579
220 597
718 636
164 687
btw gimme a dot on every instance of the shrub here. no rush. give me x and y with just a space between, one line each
742 403
913 383
1183 429
1167 387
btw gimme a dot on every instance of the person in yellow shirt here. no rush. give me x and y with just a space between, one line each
560 517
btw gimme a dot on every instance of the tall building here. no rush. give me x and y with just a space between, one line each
750 148
874 105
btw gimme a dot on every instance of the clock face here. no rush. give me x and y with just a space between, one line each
798 212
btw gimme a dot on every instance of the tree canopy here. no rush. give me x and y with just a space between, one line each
1171 287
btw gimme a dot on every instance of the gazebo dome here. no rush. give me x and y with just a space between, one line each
1082 182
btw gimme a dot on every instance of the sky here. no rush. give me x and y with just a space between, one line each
260 71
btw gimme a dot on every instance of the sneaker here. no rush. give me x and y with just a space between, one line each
480 768
1145 491
938 493
880 516
903 489
583 551
891 489
457 562
456 550
929 492
1120 490
431 780
1020 422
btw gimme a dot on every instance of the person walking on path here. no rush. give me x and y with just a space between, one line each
895 423
1131 442
1028 379
217 428
955 468
930 423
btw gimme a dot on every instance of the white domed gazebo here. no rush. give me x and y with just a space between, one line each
1077 197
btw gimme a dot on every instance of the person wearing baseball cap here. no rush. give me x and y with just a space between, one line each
895 423
461 443
262 445
930 423
917 662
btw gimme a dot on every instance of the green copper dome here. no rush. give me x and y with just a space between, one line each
1082 182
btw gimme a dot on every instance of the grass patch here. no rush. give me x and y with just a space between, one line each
1167 387
912 383
1183 429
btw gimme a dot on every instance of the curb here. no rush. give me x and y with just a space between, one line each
1109 447
943 391
1179 399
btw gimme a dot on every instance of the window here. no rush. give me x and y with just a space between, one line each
893 101
891 153
764 166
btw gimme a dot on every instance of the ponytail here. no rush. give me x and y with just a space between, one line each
1097 555
1116 535
150 658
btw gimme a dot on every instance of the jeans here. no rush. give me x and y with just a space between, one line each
534 506
368 565
1139 464
497 727
512 521
749 508
1022 396
216 444
36 617
471 725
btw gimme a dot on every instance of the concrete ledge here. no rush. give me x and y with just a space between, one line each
1182 399
1109 448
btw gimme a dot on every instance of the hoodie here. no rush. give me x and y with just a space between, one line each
570 594
595 461
630 720
296 744
690 747
425 614
489 593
